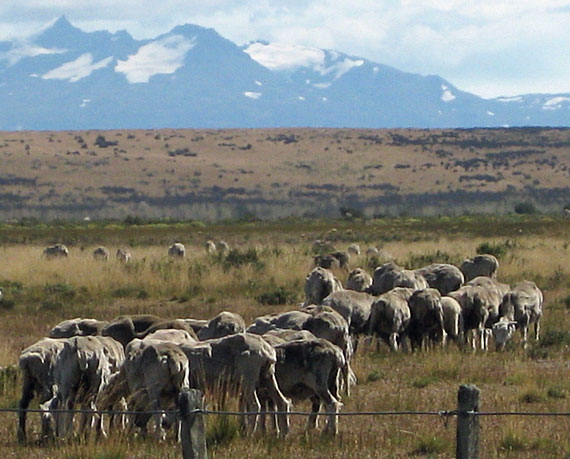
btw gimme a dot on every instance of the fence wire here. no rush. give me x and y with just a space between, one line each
442 413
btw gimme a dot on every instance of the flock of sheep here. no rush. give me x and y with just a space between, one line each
142 362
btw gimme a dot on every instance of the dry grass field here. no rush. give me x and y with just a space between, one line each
268 265
269 173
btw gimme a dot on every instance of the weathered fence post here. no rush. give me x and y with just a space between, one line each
192 432
467 424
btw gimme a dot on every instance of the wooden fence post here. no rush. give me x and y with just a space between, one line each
192 432
467 424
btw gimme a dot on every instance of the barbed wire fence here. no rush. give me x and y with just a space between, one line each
190 411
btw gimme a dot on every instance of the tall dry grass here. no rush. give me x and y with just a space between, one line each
40 293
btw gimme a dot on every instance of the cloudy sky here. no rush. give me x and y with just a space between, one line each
488 47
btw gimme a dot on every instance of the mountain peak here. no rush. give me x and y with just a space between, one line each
57 32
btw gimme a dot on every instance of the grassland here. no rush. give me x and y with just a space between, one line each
272 173
268 265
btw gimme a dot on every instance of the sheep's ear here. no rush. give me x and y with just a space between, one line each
512 322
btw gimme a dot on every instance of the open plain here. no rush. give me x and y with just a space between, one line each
272 173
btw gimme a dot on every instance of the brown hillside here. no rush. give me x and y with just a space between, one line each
212 174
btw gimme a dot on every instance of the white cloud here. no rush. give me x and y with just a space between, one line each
80 68
490 47
162 56
24 50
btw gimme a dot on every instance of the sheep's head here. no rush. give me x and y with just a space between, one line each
503 332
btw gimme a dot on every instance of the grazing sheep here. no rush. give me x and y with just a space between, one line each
390 316
82 368
320 283
36 364
372 252
210 247
480 265
242 363
312 369
78 327
223 247
353 249
154 372
444 277
126 328
171 324
426 317
359 280
177 250
390 275
452 319
497 291
477 304
225 323
519 308
123 255
355 308
55 251
101 253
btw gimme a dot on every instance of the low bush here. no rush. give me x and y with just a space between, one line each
429 445
278 296
498 249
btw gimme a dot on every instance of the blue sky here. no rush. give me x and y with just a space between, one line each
488 47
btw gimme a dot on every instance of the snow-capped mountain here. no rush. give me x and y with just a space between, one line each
64 78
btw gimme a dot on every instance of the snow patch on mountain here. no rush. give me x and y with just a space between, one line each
252 94
555 103
283 57
510 99
163 56
279 56
75 70
446 95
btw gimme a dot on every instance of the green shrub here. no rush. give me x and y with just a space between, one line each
428 445
498 249
556 392
236 258
53 305
373 376
532 396
60 289
221 430
555 338
525 208
420 260
423 381
278 296
512 442
130 291
7 304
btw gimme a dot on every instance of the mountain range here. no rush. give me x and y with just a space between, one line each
62 78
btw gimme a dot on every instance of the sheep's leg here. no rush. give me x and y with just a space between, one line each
394 341
537 330
278 400
312 422
250 404
27 396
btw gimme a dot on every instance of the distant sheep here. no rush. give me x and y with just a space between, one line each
177 250
123 255
101 253
55 251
